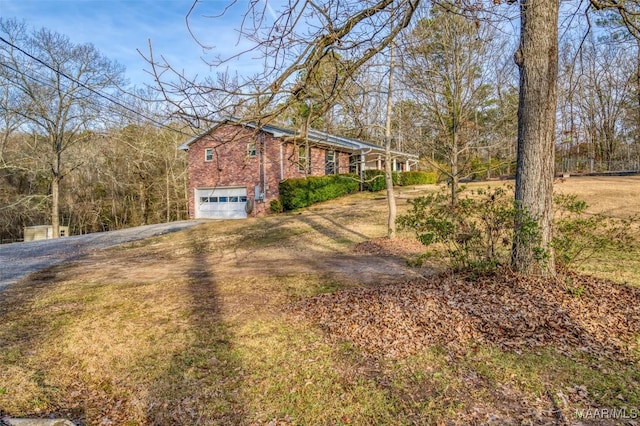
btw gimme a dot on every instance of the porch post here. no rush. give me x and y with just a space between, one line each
362 166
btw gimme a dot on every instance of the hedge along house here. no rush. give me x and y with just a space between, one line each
235 168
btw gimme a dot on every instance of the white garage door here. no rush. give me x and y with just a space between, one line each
221 203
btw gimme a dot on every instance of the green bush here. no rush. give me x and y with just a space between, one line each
303 192
417 178
275 206
579 235
476 233
374 180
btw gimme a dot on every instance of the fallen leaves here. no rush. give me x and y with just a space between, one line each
503 309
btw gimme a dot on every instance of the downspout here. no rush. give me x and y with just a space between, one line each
281 161
263 190
362 166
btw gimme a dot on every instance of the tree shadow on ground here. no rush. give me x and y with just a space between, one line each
203 383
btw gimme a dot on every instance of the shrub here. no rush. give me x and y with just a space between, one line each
275 206
476 233
579 235
303 192
483 169
374 180
417 178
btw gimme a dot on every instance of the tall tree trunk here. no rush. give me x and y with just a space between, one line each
537 59
453 160
637 135
55 206
168 192
388 172
55 190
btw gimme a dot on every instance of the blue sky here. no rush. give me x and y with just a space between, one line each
118 27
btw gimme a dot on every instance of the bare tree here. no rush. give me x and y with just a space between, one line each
443 66
388 174
59 84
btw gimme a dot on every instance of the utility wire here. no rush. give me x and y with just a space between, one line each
42 80
90 89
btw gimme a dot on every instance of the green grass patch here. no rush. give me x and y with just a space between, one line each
616 265
295 376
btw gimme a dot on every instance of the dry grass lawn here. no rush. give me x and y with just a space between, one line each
204 327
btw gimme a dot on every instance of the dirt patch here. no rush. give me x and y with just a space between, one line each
400 247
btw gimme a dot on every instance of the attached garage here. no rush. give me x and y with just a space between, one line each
221 203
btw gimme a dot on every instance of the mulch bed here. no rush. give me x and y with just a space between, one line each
572 312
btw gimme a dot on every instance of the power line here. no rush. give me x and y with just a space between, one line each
42 80
84 86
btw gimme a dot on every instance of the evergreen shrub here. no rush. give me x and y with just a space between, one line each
303 192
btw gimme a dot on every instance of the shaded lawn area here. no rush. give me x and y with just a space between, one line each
260 322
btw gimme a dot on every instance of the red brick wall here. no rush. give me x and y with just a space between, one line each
231 166
343 165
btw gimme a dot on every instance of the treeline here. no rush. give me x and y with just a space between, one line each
117 179
76 148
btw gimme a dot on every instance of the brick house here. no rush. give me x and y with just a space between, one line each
235 168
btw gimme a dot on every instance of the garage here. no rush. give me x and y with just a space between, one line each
221 203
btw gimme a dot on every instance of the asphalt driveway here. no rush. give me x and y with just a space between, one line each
18 260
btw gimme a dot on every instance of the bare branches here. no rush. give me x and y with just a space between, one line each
627 10
293 45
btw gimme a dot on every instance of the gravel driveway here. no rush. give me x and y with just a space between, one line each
18 260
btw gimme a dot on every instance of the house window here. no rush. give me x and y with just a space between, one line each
208 154
353 163
251 150
330 162
304 165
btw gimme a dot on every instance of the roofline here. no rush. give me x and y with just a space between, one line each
314 135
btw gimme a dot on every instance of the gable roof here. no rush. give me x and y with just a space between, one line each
314 136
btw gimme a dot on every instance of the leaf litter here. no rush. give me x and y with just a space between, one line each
503 309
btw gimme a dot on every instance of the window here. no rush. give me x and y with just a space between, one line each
208 154
304 165
251 150
330 162
353 163
208 200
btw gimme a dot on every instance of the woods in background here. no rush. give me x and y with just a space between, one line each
77 149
